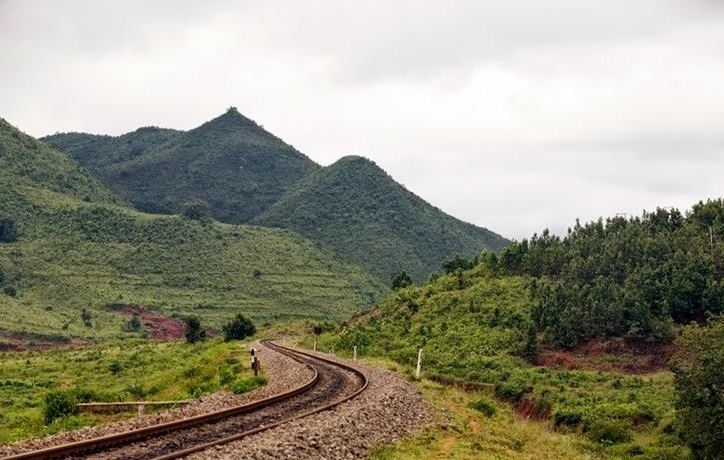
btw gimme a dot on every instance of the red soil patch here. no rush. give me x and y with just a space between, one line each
159 327
615 354
530 410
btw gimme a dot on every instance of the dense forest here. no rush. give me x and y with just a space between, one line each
633 278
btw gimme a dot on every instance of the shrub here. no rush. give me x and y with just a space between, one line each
401 280
512 390
59 404
246 385
566 418
483 406
197 210
86 317
8 231
10 291
239 328
115 367
194 331
608 432
133 324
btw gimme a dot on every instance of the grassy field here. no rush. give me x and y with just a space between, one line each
121 371
469 433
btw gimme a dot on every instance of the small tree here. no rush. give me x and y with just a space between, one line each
86 317
401 280
459 262
197 210
8 231
530 350
699 382
132 325
239 328
59 404
194 331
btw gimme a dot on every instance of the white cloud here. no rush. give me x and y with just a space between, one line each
515 115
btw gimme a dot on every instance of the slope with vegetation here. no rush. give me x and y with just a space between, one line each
249 176
77 247
356 209
230 162
639 280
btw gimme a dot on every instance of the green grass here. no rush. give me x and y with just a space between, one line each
115 371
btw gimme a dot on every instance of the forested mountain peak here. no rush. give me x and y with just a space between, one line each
354 207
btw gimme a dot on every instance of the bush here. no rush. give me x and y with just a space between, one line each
244 386
239 328
566 418
401 280
10 291
194 331
197 210
132 325
115 367
8 231
512 390
59 404
483 406
609 432
86 317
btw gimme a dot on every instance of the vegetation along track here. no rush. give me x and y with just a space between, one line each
332 383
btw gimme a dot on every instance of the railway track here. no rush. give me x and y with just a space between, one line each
331 384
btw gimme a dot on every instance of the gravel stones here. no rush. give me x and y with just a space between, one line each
390 409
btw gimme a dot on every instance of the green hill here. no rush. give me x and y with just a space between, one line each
590 309
79 247
230 162
249 176
356 209
99 152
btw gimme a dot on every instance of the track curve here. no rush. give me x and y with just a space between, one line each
331 384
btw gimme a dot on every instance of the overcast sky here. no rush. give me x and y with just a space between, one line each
513 115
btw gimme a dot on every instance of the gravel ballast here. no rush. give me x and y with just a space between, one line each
391 408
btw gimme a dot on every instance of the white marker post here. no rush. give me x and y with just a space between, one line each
315 345
419 364
355 353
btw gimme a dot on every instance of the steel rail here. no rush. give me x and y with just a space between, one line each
88 446
236 437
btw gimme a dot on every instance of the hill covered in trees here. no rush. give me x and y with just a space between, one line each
250 176
70 245
231 162
608 295
356 209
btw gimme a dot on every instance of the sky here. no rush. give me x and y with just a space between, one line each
509 114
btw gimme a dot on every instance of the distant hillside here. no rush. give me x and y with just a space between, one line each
250 176
79 247
99 152
230 161
359 211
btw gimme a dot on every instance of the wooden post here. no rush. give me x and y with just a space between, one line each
141 410
354 356
315 345
257 365
419 364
